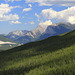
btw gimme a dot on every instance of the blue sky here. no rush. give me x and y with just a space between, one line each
28 14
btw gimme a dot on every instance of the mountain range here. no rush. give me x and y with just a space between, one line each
39 33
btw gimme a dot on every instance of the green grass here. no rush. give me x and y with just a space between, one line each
52 56
7 46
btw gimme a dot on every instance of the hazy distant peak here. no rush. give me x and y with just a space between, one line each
18 32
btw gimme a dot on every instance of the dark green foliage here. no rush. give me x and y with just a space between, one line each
52 56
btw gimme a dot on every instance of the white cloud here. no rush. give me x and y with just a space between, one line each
15 22
9 17
4 9
37 16
43 26
27 9
11 0
29 5
46 23
32 22
67 15
71 19
53 2
4 13
14 17
17 7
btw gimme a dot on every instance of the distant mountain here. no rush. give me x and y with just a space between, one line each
20 36
55 29
41 32
15 34
67 25
31 35
6 43
26 36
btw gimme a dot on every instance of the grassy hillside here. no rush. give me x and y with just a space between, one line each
52 56
6 46
2 38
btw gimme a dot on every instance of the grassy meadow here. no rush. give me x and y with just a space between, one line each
52 56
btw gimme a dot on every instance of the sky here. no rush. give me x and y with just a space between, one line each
28 14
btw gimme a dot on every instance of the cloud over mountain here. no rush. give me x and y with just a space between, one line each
67 15
46 23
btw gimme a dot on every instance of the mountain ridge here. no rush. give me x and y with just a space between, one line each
36 33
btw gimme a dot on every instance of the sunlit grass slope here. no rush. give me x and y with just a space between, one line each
52 56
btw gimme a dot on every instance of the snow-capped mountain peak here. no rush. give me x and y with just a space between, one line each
18 33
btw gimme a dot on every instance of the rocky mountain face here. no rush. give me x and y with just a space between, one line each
41 32
53 30
15 34
26 36
67 25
